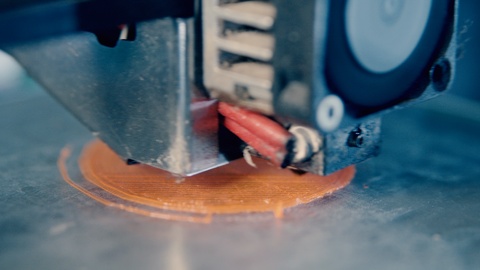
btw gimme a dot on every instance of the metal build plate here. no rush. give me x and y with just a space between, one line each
416 206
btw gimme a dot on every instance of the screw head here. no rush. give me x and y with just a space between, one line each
242 92
441 74
356 138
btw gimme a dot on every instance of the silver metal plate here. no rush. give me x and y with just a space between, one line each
416 206
137 97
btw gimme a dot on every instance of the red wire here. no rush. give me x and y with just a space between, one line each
259 125
275 154
266 136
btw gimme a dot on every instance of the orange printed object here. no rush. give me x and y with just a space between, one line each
231 189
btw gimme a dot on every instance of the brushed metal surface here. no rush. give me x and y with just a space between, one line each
416 206
137 97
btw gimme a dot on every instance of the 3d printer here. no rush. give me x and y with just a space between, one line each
187 85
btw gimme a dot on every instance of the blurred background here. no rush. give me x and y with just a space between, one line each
15 84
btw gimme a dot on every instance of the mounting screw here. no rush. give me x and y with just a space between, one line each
242 92
441 74
330 113
356 138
